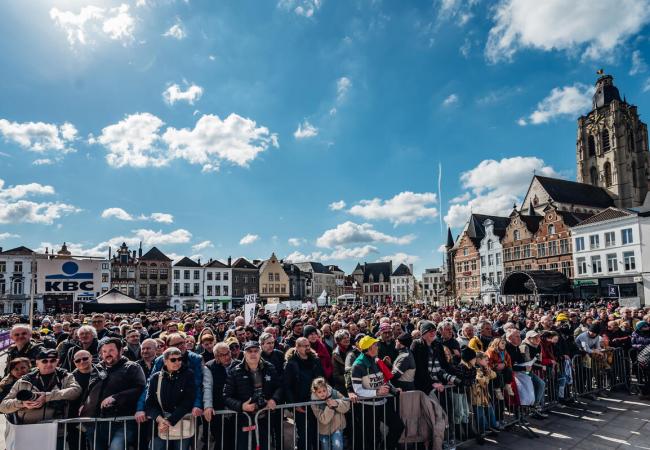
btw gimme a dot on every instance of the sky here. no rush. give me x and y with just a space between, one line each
334 131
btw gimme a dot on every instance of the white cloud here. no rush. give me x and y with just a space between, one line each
305 130
350 232
120 214
176 31
174 93
248 239
339 253
296 242
646 85
460 198
134 141
452 99
93 21
495 186
594 27
305 8
5 236
151 237
568 101
343 85
202 246
638 63
15 209
399 258
39 137
43 162
337 206
442 248
522 122
405 207
23 190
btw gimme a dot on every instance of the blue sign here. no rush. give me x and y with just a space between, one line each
69 279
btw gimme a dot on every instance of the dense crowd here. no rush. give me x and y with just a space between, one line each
164 368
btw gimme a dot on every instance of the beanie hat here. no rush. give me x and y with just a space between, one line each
426 326
595 328
405 339
641 324
309 329
467 354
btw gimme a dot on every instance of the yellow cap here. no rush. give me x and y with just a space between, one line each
561 317
366 342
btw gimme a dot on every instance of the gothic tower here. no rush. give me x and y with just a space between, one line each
612 147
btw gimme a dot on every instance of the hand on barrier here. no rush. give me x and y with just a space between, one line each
353 397
197 412
270 404
108 402
438 387
163 425
140 417
383 390
207 413
248 406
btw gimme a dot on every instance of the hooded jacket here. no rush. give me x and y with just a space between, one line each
329 419
298 375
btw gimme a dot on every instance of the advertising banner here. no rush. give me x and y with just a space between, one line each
66 276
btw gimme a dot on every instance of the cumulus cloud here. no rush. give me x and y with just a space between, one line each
176 31
174 94
296 242
304 8
202 246
351 233
151 237
451 100
405 207
248 239
494 186
638 63
567 101
39 137
593 27
5 236
338 253
93 21
137 141
337 206
14 208
305 130
120 214
43 162
400 258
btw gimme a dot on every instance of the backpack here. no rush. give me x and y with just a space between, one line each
643 357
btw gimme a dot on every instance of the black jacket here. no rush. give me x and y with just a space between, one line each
219 375
31 350
176 393
516 356
298 375
68 362
439 371
277 359
124 381
239 385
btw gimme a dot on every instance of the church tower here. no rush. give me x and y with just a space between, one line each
612 147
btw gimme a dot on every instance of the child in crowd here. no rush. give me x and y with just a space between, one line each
501 363
330 415
481 401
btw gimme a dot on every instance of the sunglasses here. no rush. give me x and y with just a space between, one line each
83 358
174 360
48 360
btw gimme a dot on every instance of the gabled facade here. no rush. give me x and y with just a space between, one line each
491 262
273 280
339 279
403 285
245 280
187 285
15 280
218 291
322 279
154 279
375 281
123 269
518 243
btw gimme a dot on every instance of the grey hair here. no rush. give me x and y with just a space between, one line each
445 324
341 334
170 352
264 336
87 328
21 326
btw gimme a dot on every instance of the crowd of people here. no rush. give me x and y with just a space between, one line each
184 376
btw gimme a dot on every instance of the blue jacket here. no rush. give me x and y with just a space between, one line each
195 363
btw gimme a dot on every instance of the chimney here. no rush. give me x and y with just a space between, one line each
199 262
140 250
109 252
134 254
411 268
229 261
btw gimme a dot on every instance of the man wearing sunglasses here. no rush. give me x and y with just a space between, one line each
42 394
23 346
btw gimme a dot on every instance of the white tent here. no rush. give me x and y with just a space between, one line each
322 299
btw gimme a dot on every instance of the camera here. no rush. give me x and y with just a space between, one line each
258 398
25 395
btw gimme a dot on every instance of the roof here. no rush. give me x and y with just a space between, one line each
22 250
531 222
476 230
450 238
243 263
154 255
358 268
607 214
187 262
316 267
215 263
115 296
572 219
333 268
376 269
402 271
571 192
605 92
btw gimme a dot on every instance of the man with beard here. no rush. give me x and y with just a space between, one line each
296 326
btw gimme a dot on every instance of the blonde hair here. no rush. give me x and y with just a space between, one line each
318 383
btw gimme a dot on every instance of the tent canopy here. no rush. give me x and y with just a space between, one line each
535 282
114 301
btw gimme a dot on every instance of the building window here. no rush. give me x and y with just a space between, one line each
516 253
612 263
591 145
489 245
564 246
153 273
506 254
17 288
580 244
3 266
163 273
104 278
498 259
596 266
225 290
217 277
2 287
197 288
186 288
594 242
482 261
608 174
473 264
277 277
515 234
626 236
270 277
552 266
143 273
605 140
177 274
465 251
186 274
593 174
177 289
610 239
552 248
551 229
628 260
541 250
225 276
153 290
209 291
526 251
490 260
163 290
197 274
18 267
217 290
566 269
209 276
582 266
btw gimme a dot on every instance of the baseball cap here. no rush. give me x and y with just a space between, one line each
251 344
366 342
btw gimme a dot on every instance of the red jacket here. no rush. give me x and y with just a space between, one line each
548 355
325 359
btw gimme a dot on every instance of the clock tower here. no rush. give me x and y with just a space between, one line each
612 147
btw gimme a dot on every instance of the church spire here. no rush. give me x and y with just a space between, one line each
450 238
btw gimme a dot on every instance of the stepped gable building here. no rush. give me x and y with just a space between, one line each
154 282
612 147
519 248
466 259
565 195
123 267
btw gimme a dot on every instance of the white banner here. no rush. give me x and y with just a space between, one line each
69 276
250 303
41 436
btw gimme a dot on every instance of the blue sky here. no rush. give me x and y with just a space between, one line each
312 128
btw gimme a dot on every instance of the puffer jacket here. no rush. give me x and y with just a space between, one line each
176 394
62 389
30 351
479 391
298 375
329 419
239 385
